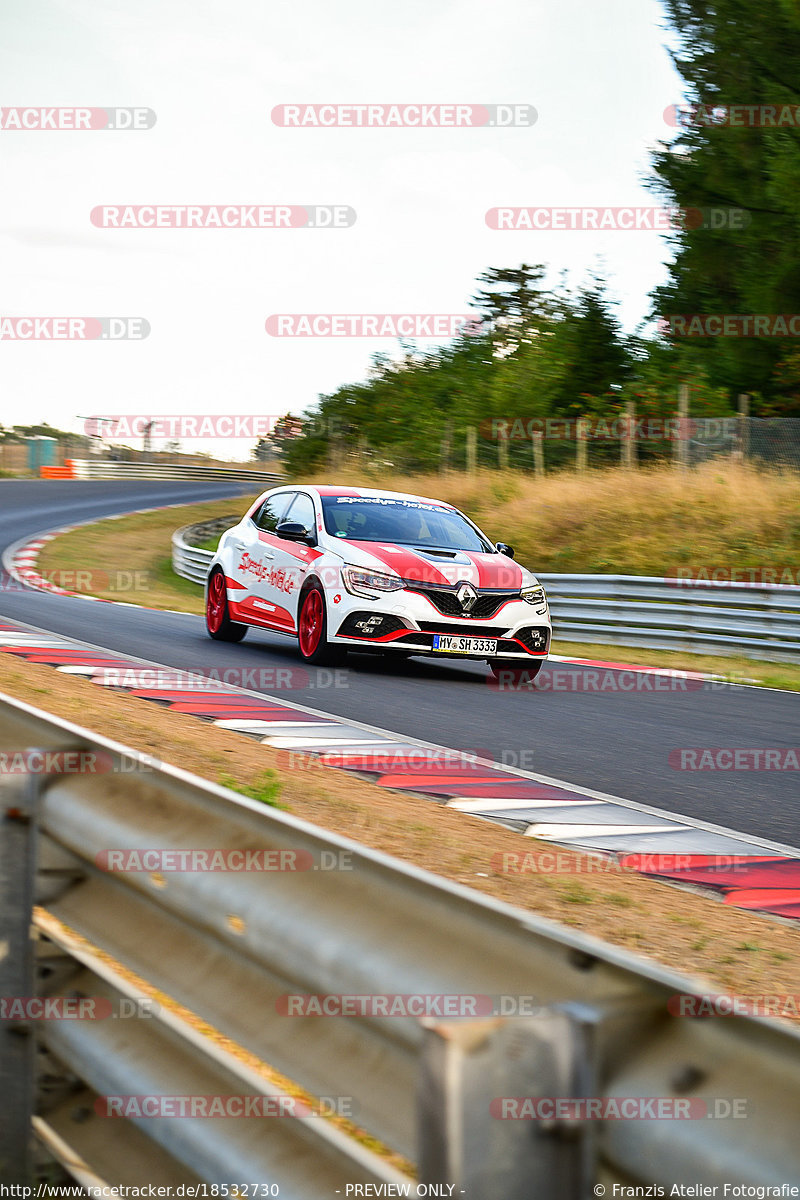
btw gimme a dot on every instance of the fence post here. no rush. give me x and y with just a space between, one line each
444 451
744 427
472 449
502 453
17 1038
538 455
680 447
628 442
581 445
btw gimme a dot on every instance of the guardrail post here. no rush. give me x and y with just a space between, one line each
475 1131
18 802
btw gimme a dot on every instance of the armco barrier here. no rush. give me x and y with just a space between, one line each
756 621
87 468
227 947
187 559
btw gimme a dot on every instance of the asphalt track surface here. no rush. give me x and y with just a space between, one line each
612 740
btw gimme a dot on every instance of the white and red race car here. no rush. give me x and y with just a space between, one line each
345 568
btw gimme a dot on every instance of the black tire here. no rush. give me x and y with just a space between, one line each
513 677
312 630
218 620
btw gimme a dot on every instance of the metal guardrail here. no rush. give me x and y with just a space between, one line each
230 947
188 560
755 621
87 468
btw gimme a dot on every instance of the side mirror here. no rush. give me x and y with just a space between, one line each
293 531
504 549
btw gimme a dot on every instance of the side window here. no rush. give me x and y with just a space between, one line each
272 511
302 511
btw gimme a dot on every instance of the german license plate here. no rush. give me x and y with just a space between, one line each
448 644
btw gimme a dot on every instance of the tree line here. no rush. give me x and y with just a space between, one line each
537 352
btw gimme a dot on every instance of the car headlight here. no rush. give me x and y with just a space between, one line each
535 594
362 582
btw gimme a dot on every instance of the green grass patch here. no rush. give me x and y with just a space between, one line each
265 788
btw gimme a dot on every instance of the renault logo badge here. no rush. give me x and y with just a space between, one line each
467 596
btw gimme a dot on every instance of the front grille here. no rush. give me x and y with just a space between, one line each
449 605
388 624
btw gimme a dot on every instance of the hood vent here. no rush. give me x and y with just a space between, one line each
452 554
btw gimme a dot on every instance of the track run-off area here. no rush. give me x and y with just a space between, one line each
612 731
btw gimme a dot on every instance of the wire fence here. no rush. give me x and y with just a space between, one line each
586 444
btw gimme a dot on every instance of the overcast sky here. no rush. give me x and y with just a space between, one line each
597 74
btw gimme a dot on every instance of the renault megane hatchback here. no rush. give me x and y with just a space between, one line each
344 568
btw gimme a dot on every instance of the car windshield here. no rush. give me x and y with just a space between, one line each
407 522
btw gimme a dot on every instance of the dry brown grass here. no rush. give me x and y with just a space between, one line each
627 522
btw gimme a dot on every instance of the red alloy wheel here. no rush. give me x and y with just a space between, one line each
215 606
312 619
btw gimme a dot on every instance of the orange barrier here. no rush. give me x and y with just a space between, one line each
65 472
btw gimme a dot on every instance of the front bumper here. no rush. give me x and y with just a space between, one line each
408 621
